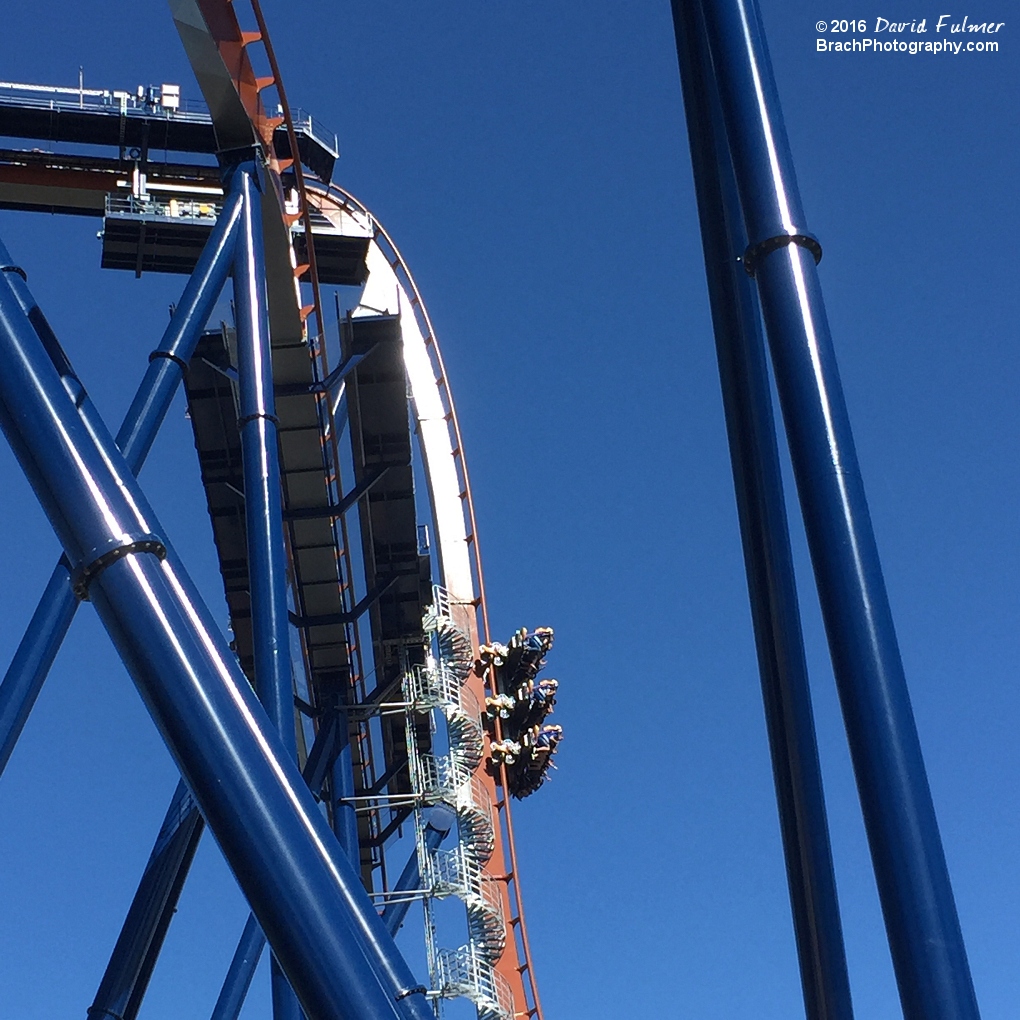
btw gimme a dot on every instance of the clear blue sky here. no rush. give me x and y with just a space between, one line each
530 160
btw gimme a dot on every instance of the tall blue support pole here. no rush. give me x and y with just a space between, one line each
127 975
263 499
263 502
341 787
768 561
304 892
32 661
913 881
241 971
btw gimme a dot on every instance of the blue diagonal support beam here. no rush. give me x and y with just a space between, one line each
322 753
49 624
134 956
438 827
241 971
322 758
307 897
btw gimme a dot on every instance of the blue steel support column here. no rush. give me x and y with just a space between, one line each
341 788
127 975
242 968
341 774
241 971
263 502
285 1003
913 881
304 892
32 661
768 561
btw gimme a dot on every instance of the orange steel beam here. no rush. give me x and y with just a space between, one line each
232 44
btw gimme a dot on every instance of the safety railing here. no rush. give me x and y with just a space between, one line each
456 872
453 780
149 101
448 780
306 124
440 608
464 972
201 210
145 101
438 687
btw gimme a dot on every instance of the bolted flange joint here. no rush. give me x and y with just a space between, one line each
84 576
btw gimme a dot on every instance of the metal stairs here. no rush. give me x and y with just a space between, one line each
451 779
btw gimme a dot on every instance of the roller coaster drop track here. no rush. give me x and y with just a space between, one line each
344 202
412 753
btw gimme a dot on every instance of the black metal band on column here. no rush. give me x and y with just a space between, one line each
84 576
754 253
179 362
743 373
416 990
241 422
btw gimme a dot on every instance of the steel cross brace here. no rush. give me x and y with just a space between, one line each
141 938
134 956
306 895
52 619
